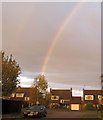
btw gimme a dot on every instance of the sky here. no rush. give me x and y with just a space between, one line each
75 60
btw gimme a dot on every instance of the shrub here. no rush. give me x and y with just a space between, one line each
100 107
64 106
84 107
54 106
89 106
25 104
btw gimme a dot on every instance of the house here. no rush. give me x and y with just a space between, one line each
21 93
93 96
61 97
64 98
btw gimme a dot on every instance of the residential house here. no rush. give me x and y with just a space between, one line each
64 97
21 93
93 96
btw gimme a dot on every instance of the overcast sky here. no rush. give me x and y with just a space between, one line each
28 30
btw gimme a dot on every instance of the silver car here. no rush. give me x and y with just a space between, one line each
35 111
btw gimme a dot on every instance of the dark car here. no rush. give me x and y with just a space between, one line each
36 111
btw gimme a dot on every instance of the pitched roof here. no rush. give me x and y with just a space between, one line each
93 92
24 90
75 100
63 94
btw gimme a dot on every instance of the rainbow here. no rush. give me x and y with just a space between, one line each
57 35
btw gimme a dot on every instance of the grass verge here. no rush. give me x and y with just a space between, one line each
85 116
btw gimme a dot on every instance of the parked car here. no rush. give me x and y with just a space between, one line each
36 111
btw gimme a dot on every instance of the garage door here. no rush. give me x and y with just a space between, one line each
74 106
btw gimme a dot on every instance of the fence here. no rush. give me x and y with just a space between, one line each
10 106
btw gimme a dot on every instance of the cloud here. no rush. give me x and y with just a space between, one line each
29 28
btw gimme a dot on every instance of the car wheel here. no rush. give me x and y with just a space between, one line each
39 115
25 116
44 115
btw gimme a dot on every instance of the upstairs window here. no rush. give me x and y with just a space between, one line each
89 97
61 101
54 97
19 94
13 95
27 98
99 97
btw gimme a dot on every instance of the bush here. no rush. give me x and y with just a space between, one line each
64 106
89 106
84 107
100 107
54 106
25 104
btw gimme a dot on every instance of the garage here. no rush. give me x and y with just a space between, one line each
75 103
75 106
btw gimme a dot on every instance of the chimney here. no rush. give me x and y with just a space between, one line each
83 94
71 92
50 90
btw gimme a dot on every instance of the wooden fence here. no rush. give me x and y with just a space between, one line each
10 106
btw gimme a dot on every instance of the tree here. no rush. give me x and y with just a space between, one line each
47 99
102 95
10 74
102 81
0 74
33 95
38 90
41 83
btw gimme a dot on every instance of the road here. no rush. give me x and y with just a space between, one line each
51 114
65 114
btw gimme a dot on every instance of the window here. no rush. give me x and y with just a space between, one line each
28 98
25 98
54 103
13 95
64 100
54 97
19 94
61 101
74 106
99 97
89 97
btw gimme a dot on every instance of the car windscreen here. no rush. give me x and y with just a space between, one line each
42 107
34 108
